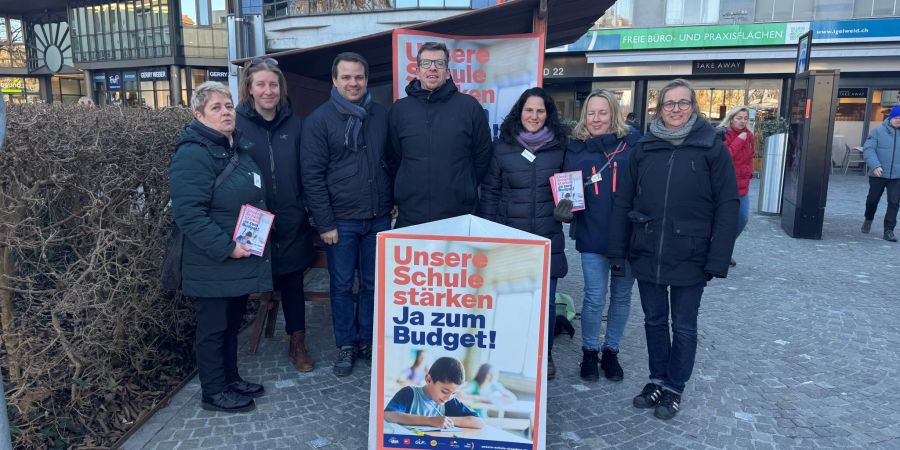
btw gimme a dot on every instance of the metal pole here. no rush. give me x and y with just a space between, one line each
5 442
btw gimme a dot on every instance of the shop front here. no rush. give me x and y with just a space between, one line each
151 87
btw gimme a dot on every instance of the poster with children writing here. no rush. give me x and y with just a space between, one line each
459 337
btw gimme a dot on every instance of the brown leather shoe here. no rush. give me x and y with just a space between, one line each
298 353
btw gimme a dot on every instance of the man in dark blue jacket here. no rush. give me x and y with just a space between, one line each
440 142
348 192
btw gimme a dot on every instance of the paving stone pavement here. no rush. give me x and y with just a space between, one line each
798 348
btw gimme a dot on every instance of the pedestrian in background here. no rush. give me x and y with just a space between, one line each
273 132
881 153
742 146
601 149
349 193
217 272
516 191
674 219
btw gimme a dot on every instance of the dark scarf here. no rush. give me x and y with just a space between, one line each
357 113
534 141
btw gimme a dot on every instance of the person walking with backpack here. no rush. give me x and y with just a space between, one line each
882 153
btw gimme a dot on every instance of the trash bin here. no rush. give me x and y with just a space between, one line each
772 174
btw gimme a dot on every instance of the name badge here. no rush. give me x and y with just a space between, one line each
596 177
528 155
257 180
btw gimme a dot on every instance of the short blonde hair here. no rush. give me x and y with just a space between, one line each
726 122
618 124
204 92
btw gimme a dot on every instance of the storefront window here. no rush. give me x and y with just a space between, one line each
132 29
716 97
882 102
12 43
20 89
620 15
686 12
67 89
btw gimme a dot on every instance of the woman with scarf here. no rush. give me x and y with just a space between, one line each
516 191
740 142
600 151
265 118
674 220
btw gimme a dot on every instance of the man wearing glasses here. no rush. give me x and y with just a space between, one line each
440 142
348 193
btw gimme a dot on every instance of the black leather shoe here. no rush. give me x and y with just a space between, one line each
247 388
227 401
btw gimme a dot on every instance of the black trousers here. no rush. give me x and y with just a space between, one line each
218 323
293 303
877 186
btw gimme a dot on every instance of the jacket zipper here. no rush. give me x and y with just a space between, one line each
893 155
272 169
662 231
533 193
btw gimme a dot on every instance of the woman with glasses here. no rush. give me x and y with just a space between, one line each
516 191
265 118
210 178
674 220
601 149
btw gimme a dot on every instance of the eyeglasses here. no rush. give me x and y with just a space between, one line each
682 105
256 60
427 63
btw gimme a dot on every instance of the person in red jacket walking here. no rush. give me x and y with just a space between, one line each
740 142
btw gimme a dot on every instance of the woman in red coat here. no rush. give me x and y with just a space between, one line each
740 142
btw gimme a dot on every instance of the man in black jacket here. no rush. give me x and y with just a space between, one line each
440 142
348 191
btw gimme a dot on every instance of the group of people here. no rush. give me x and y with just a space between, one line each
662 209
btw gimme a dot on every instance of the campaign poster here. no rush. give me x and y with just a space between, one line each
460 337
495 70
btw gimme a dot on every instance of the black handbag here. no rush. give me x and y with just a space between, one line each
170 273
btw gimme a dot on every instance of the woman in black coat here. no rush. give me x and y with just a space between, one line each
217 272
675 220
516 191
267 122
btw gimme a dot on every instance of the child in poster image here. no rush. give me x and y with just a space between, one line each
434 404
487 388
415 374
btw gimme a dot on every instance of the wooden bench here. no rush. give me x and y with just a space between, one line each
270 302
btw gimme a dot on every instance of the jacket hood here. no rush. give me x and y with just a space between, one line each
887 126
196 132
414 89
247 110
702 135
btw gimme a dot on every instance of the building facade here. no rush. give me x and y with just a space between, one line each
148 53
736 52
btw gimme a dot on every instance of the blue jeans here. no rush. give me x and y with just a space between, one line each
596 281
743 214
671 359
551 329
354 250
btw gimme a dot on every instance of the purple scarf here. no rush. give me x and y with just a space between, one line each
534 141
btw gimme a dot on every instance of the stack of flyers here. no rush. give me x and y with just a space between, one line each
568 185
253 227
